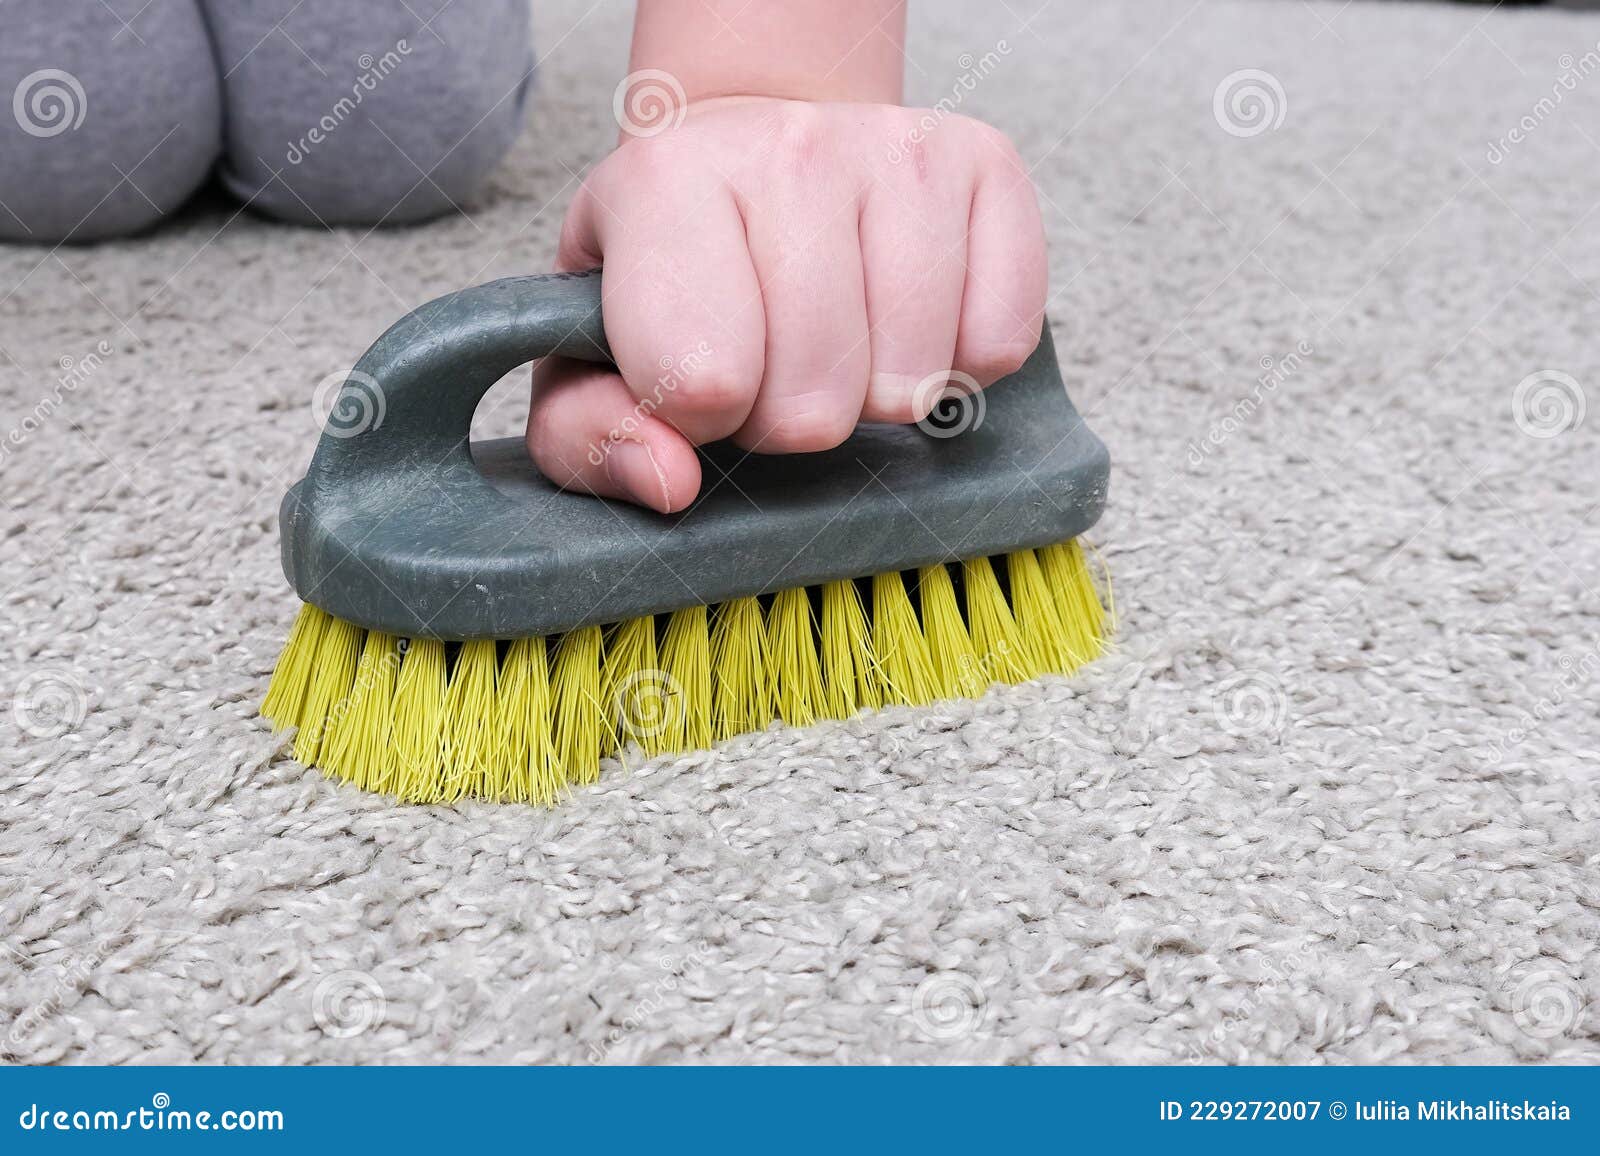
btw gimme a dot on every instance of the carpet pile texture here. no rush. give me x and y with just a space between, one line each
1332 799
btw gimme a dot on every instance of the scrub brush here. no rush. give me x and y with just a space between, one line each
470 631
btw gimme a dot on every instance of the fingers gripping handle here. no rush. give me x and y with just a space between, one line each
409 400
395 526
406 408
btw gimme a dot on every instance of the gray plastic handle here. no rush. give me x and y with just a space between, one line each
410 399
400 525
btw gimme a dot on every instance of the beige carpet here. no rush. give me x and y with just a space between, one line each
1334 799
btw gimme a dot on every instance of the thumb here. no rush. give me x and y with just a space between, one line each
587 432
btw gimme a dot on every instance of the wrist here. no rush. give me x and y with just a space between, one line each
820 50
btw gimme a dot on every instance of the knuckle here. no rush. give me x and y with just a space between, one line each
711 389
798 135
992 148
986 135
639 167
997 357
817 419
646 161
570 249
803 432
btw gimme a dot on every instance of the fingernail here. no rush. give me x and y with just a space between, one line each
632 468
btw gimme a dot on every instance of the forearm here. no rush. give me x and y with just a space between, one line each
795 49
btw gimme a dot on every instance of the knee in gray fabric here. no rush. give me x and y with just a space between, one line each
111 125
369 112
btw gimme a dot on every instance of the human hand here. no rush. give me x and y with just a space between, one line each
774 276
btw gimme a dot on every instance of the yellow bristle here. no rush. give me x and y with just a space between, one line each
1105 613
1083 620
412 770
470 713
904 664
1001 653
639 703
741 694
954 662
510 731
686 658
332 673
524 753
388 715
286 690
792 649
849 672
360 743
580 715
1034 608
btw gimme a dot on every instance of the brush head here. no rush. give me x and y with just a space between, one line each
401 525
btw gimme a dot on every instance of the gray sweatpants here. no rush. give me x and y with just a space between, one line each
319 111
